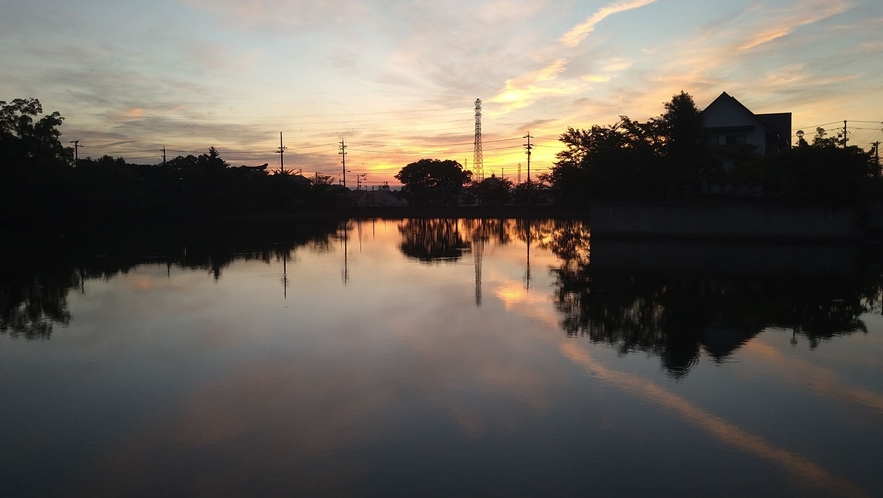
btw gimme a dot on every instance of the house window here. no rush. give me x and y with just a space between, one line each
736 140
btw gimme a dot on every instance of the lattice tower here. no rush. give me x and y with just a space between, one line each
477 156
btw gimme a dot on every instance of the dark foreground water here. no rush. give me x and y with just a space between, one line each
437 358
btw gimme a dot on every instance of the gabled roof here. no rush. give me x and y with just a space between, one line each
725 97
777 125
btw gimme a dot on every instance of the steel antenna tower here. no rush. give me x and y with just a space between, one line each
477 156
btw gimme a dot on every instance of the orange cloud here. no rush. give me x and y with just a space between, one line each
812 15
524 90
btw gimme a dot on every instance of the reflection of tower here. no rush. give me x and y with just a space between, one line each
346 267
527 275
477 254
477 155
285 275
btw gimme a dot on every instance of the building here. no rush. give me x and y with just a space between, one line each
734 126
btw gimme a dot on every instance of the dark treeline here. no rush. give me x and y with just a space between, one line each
611 293
669 157
40 271
665 158
40 180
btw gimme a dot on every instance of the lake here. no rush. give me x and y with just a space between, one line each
436 357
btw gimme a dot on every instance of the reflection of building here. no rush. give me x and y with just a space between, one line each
734 126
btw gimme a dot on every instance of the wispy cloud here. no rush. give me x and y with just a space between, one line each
576 35
525 89
802 17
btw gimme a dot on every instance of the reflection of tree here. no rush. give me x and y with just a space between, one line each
41 271
30 305
673 314
432 239
567 239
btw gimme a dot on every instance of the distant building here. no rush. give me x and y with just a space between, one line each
262 167
380 196
734 126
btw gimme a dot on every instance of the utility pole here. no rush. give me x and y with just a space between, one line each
281 153
76 150
844 134
527 148
163 155
877 152
342 152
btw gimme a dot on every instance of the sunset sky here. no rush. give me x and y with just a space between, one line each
397 79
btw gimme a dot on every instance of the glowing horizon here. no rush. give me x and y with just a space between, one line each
398 82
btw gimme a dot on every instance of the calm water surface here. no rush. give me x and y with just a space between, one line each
439 358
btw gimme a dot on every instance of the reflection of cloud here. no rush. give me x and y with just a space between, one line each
796 464
819 379
573 37
279 419
530 305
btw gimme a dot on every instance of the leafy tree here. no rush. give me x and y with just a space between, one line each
663 157
433 182
24 141
212 160
823 173
33 163
321 179
493 191
683 136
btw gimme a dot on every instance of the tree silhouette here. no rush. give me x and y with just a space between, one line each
493 191
663 157
432 182
33 163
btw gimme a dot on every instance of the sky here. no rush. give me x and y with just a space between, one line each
397 81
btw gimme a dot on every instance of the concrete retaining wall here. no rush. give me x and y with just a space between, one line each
723 222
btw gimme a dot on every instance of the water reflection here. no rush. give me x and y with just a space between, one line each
668 299
346 391
433 240
39 272
674 299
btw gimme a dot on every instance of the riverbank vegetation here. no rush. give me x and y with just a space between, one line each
667 158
